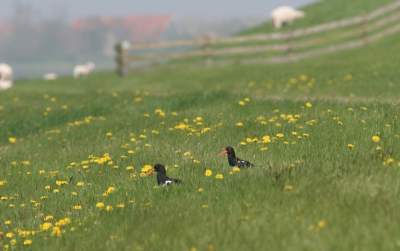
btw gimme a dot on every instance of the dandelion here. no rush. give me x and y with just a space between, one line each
376 138
243 143
208 173
200 190
235 170
351 146
219 176
109 134
247 99
288 187
321 223
279 135
48 217
121 205
9 235
100 205
45 226
239 124
204 206
129 168
12 140
308 104
7 222
186 154
109 208
77 207
241 103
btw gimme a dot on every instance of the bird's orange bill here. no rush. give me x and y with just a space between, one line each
150 172
222 153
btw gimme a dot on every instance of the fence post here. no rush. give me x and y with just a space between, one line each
207 52
288 41
122 58
364 28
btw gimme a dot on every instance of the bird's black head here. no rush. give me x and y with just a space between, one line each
229 149
159 168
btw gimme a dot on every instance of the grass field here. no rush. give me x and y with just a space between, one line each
322 133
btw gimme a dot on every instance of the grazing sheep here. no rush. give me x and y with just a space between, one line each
6 72
5 84
285 15
83 70
50 76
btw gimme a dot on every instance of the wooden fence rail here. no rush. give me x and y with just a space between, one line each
363 29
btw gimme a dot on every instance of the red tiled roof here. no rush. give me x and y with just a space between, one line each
142 28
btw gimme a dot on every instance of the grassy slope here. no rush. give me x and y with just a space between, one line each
338 193
327 11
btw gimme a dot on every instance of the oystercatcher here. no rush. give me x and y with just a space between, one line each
162 177
233 160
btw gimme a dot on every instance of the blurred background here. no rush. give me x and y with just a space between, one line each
42 36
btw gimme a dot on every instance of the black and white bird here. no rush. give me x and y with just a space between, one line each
162 178
233 160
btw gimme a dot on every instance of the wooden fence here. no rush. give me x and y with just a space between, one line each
361 30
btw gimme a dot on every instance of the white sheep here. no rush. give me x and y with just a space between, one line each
49 76
5 84
6 72
83 70
285 15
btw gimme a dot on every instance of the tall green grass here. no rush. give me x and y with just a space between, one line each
327 180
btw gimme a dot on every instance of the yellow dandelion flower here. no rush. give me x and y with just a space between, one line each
288 187
208 173
100 205
186 154
376 138
241 103
243 143
45 226
48 217
308 104
109 134
7 222
219 176
279 135
247 99
200 190
109 208
266 139
239 124
321 223
129 168
121 205
12 140
204 206
351 146
28 242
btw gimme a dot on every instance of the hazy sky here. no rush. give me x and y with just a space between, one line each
177 8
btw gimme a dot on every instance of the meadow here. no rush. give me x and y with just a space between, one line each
322 134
